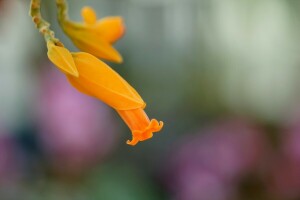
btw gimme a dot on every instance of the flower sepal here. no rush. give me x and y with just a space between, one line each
62 58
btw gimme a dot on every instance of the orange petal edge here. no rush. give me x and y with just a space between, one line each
137 135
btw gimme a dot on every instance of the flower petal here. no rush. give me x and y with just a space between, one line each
89 15
147 133
98 47
99 80
140 125
62 58
111 28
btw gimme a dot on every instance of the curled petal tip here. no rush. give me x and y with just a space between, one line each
157 125
132 142
154 126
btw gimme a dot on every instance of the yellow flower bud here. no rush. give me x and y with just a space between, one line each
96 36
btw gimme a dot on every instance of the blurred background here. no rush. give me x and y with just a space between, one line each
222 75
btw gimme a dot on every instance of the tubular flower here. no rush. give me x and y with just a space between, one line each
98 80
96 36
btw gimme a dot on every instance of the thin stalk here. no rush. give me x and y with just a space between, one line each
42 25
62 10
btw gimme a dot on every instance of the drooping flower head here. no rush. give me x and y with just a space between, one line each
98 80
90 75
95 36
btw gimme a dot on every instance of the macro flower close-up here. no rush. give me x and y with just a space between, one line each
149 100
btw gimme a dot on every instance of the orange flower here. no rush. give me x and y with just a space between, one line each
96 36
99 80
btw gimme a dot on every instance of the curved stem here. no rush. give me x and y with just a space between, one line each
62 8
42 25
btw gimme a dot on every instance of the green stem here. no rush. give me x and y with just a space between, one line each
42 25
62 13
